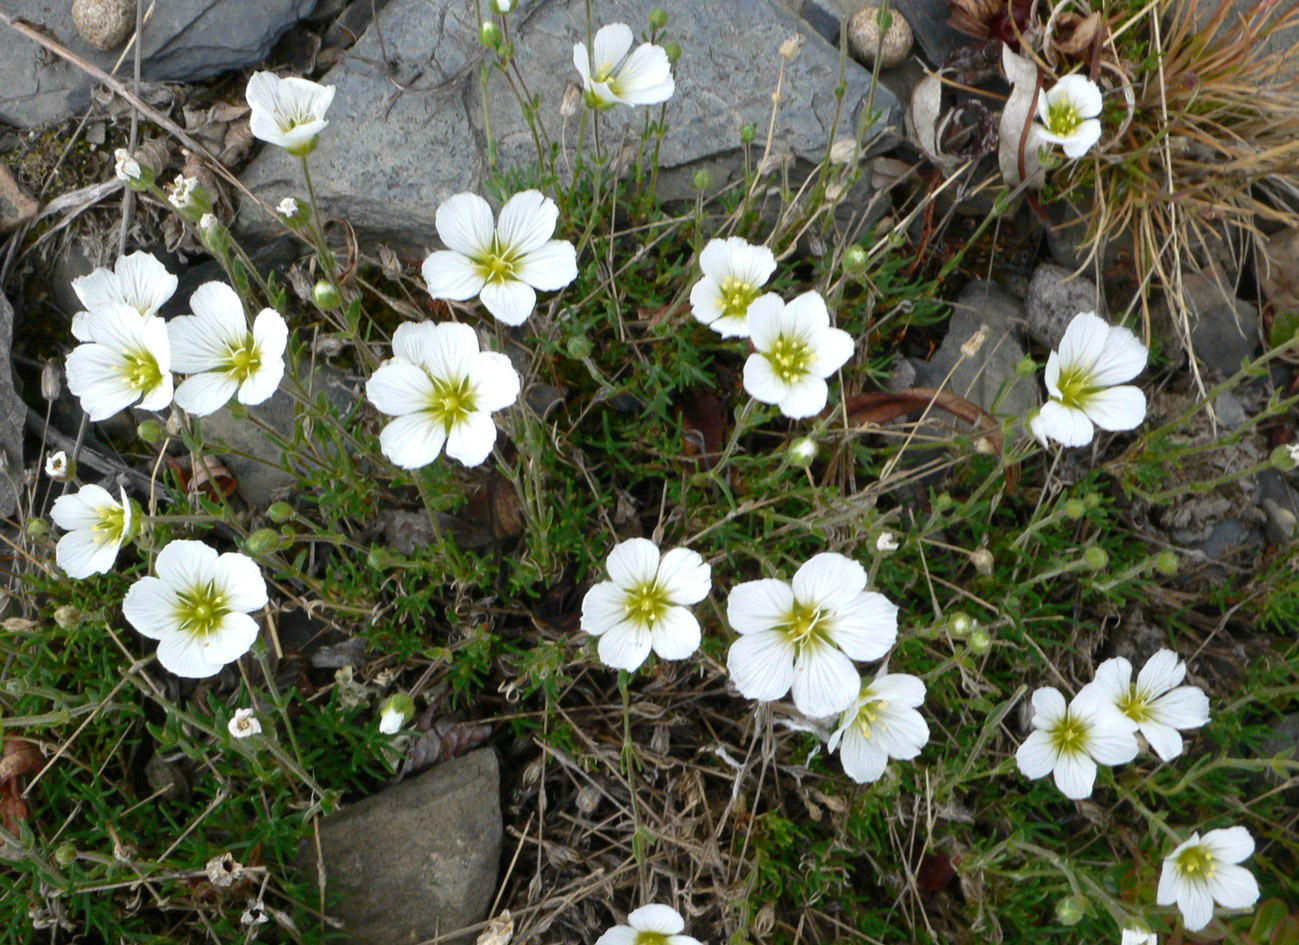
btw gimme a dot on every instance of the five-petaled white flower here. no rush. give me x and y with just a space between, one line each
222 356
734 273
649 925
125 167
805 635
96 525
645 604
138 280
881 724
442 390
125 360
502 264
616 74
1157 703
1081 377
1069 115
1204 870
796 350
288 112
56 466
244 723
1070 739
197 608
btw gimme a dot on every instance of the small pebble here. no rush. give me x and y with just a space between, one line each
864 37
103 24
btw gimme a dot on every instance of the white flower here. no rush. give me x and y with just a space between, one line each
796 350
649 925
138 280
126 167
243 723
96 526
1293 449
616 73
288 112
1139 937
126 360
805 635
442 390
734 273
1069 740
288 207
645 604
1068 115
394 712
1203 871
197 608
881 724
886 543
56 466
182 192
501 264
223 358
1080 377
1156 703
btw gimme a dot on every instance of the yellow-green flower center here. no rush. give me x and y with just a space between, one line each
1070 735
789 358
868 715
646 937
1063 117
735 297
452 402
243 360
141 370
200 611
111 525
646 604
1135 705
1197 863
804 626
497 264
1076 387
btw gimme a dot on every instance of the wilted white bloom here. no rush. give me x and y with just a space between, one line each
502 264
197 607
1068 115
805 635
649 925
126 167
1157 703
96 526
254 913
1204 870
244 723
796 351
442 391
288 207
1068 740
616 74
126 360
886 542
645 604
182 191
138 280
1081 377
881 724
1139 937
224 870
288 112
223 358
56 466
734 273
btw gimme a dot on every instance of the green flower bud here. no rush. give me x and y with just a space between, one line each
38 527
802 452
943 502
748 133
67 616
1074 509
854 258
1026 367
490 35
66 854
1285 457
151 431
673 50
960 623
1096 557
979 643
379 558
703 179
658 18
500 7
1092 500
1166 562
280 512
262 542
215 236
1070 910
326 295
580 347
395 712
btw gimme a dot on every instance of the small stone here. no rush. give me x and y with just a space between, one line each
864 37
103 24
1055 295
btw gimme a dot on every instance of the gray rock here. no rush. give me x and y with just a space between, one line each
1055 296
391 154
13 413
1230 411
1280 504
928 19
184 40
418 860
1224 329
980 378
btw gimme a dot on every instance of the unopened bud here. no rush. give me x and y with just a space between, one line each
673 50
67 616
151 431
748 133
973 343
1092 500
1074 509
263 541
325 295
1096 557
1166 562
580 347
802 451
703 179
1026 367
280 512
854 258
490 35
979 643
395 712
571 101
982 560
66 854
215 236
50 384
791 47
943 501
1070 910
238 410
500 7
658 18
959 624
380 559
1285 457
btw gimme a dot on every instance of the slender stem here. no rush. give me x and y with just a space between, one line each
630 765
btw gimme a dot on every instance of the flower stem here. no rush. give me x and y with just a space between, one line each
630 765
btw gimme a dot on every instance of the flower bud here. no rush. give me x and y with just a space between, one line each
151 431
1026 367
1285 457
960 623
802 452
943 501
380 559
658 18
580 347
215 236
500 7
38 527
673 50
325 295
854 258
982 560
50 384
396 710
1070 910
1074 509
748 133
67 616
262 542
66 854
1096 557
1166 562
490 35
280 512
979 643
703 179
1092 500
571 101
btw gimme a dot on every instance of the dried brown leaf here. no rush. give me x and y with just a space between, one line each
444 740
1017 152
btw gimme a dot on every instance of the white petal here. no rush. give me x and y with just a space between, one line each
1196 905
1116 409
1083 342
464 222
159 397
450 275
645 77
758 605
1065 425
1170 882
806 397
1164 740
1048 706
1111 746
1084 136
1052 375
150 607
271 336
1075 774
263 91
866 628
231 639
471 440
183 565
610 45
1113 680
1185 707
494 380
1231 845
863 759
750 264
825 681
448 350
806 314
1037 757
899 689
705 300
240 581
510 301
81 509
760 380
1234 887
633 562
625 646
1162 672
764 318
582 61
203 394
527 221
80 556
834 348
398 388
411 341
603 608
1081 92
143 282
684 576
98 289
412 441
549 268
829 581
657 918
761 665
1122 358
184 655
205 338
717 259
904 735
676 634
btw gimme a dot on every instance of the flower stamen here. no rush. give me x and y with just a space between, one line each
789 358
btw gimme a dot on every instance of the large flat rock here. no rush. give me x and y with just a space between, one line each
184 41
404 137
